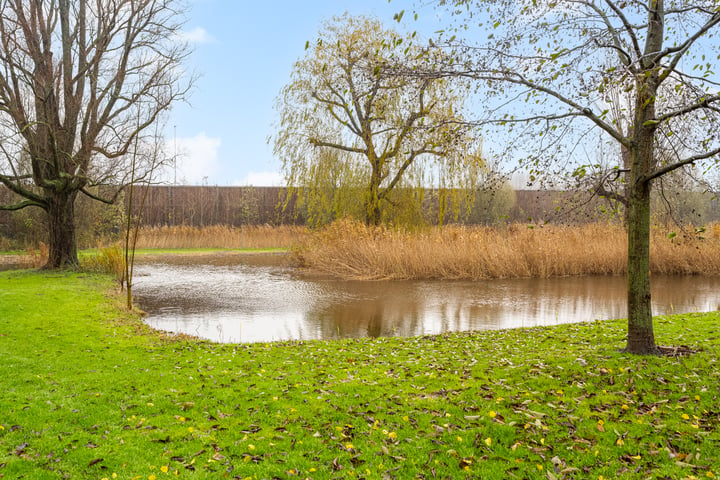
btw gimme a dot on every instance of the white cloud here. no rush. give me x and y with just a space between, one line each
197 159
196 35
261 179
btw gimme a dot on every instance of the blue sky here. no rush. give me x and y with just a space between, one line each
244 51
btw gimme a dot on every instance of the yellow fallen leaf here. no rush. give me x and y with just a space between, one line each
488 441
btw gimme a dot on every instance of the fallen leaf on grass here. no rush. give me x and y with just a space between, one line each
21 448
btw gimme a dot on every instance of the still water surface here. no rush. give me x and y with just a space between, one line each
257 299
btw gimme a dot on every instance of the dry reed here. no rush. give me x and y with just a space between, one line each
106 260
36 257
220 236
348 249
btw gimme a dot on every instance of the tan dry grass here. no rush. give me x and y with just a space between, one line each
220 236
36 257
348 249
109 259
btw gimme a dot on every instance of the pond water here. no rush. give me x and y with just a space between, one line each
255 298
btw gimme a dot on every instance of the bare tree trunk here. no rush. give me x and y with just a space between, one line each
641 337
61 222
373 213
372 201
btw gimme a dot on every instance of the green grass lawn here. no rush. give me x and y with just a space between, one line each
89 392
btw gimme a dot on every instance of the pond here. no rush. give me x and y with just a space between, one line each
255 298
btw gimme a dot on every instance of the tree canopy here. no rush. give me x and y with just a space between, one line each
545 68
351 118
80 83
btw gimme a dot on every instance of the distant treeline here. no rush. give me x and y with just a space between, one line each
213 205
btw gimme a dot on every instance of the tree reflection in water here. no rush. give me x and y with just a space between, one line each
251 299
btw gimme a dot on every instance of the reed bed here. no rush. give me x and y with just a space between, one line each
220 236
350 250
109 259
35 258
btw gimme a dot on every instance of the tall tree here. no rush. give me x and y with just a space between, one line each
75 77
545 65
347 95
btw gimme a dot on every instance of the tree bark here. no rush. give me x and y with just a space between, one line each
63 241
640 337
372 201
372 217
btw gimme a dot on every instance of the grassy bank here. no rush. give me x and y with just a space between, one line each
88 392
349 249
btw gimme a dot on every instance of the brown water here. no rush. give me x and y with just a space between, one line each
256 299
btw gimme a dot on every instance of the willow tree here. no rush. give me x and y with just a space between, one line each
75 78
348 95
543 67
